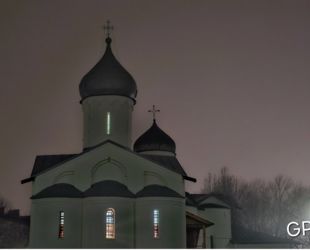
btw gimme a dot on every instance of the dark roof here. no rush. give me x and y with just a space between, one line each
190 201
46 162
212 205
108 188
158 191
61 190
199 198
108 77
196 200
241 235
195 220
154 139
170 162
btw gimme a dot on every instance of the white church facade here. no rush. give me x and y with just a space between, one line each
113 194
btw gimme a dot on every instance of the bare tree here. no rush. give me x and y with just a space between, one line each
13 232
3 204
265 206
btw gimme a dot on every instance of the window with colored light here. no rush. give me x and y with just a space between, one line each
110 224
61 231
108 123
156 223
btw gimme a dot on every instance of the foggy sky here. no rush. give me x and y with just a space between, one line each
231 79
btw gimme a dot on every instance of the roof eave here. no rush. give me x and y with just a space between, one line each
189 178
27 180
31 178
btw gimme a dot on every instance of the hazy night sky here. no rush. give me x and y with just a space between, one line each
231 79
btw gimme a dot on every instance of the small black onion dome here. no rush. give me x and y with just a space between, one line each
154 139
108 77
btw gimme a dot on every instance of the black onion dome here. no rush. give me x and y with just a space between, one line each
154 139
108 77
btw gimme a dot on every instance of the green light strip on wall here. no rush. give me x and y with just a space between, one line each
108 123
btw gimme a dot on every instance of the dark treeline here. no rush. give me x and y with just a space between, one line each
263 206
14 229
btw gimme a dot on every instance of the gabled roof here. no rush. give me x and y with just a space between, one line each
46 162
190 201
198 200
193 219
170 162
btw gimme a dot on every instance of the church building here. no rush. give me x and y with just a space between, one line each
115 193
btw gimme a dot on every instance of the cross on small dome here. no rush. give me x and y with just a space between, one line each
108 28
154 111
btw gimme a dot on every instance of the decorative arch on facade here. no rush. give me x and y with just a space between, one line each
152 178
109 169
64 177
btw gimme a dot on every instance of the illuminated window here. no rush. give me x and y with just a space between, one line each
108 123
156 223
61 232
110 224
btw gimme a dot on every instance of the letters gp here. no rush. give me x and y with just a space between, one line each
294 228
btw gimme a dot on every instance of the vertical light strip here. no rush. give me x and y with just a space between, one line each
110 224
108 123
61 232
156 223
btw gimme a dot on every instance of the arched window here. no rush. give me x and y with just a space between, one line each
110 224
156 223
61 230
